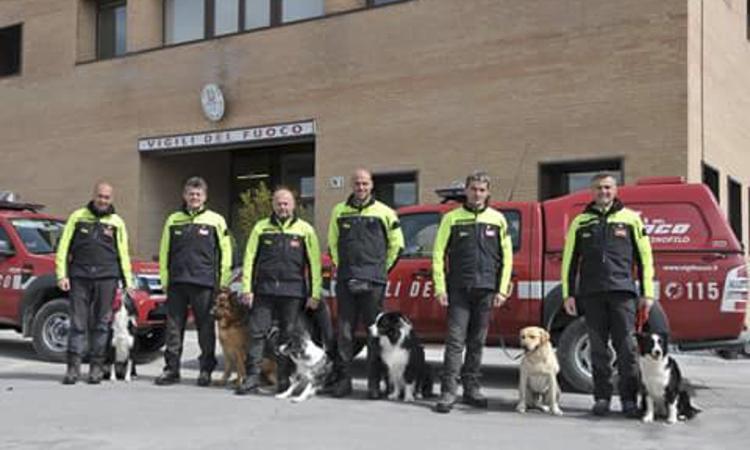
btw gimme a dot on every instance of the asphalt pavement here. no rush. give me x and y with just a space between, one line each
37 412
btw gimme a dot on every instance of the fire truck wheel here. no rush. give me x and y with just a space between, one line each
49 330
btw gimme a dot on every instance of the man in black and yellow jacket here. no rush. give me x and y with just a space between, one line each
195 260
92 258
474 238
365 240
602 247
280 274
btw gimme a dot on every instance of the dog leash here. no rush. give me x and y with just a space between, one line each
502 340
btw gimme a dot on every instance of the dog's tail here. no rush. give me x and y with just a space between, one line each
686 409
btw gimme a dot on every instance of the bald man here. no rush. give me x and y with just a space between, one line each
365 240
92 258
281 273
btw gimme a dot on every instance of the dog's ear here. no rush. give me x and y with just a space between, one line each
377 318
406 323
544 336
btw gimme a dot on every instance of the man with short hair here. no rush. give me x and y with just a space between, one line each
195 260
92 258
365 240
602 246
475 240
280 273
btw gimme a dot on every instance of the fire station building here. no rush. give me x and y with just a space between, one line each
539 93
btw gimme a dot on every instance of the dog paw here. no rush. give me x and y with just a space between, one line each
281 396
671 420
647 419
543 408
409 398
298 399
521 407
556 411
393 396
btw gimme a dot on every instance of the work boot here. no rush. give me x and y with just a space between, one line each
601 407
373 389
95 373
73 371
445 403
343 387
167 377
249 386
473 396
204 378
630 409
282 385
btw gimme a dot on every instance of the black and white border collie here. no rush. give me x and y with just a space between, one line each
403 356
662 386
312 366
123 341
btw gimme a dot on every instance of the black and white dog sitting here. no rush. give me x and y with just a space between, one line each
403 356
312 366
662 386
123 341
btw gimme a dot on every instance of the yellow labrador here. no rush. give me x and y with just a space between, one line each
539 368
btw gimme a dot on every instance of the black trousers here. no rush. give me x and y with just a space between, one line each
318 322
469 314
200 299
90 311
352 309
265 309
612 315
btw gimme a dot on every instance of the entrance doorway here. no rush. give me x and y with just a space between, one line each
257 171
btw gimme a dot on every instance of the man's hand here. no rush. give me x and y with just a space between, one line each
645 303
247 299
499 300
442 299
570 306
64 284
312 303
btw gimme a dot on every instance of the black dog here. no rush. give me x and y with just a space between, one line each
403 356
663 388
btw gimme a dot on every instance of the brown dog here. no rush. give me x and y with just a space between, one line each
538 372
231 321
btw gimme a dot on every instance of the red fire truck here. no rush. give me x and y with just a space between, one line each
30 301
700 270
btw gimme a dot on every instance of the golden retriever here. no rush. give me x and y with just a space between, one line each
538 385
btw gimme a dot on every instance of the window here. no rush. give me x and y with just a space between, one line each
10 50
420 230
294 10
558 179
381 2
419 234
396 190
40 236
184 20
111 28
257 14
711 179
6 247
192 20
226 16
513 218
734 191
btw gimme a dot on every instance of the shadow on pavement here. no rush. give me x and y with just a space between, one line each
18 349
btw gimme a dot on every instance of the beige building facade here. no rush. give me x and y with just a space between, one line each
537 92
